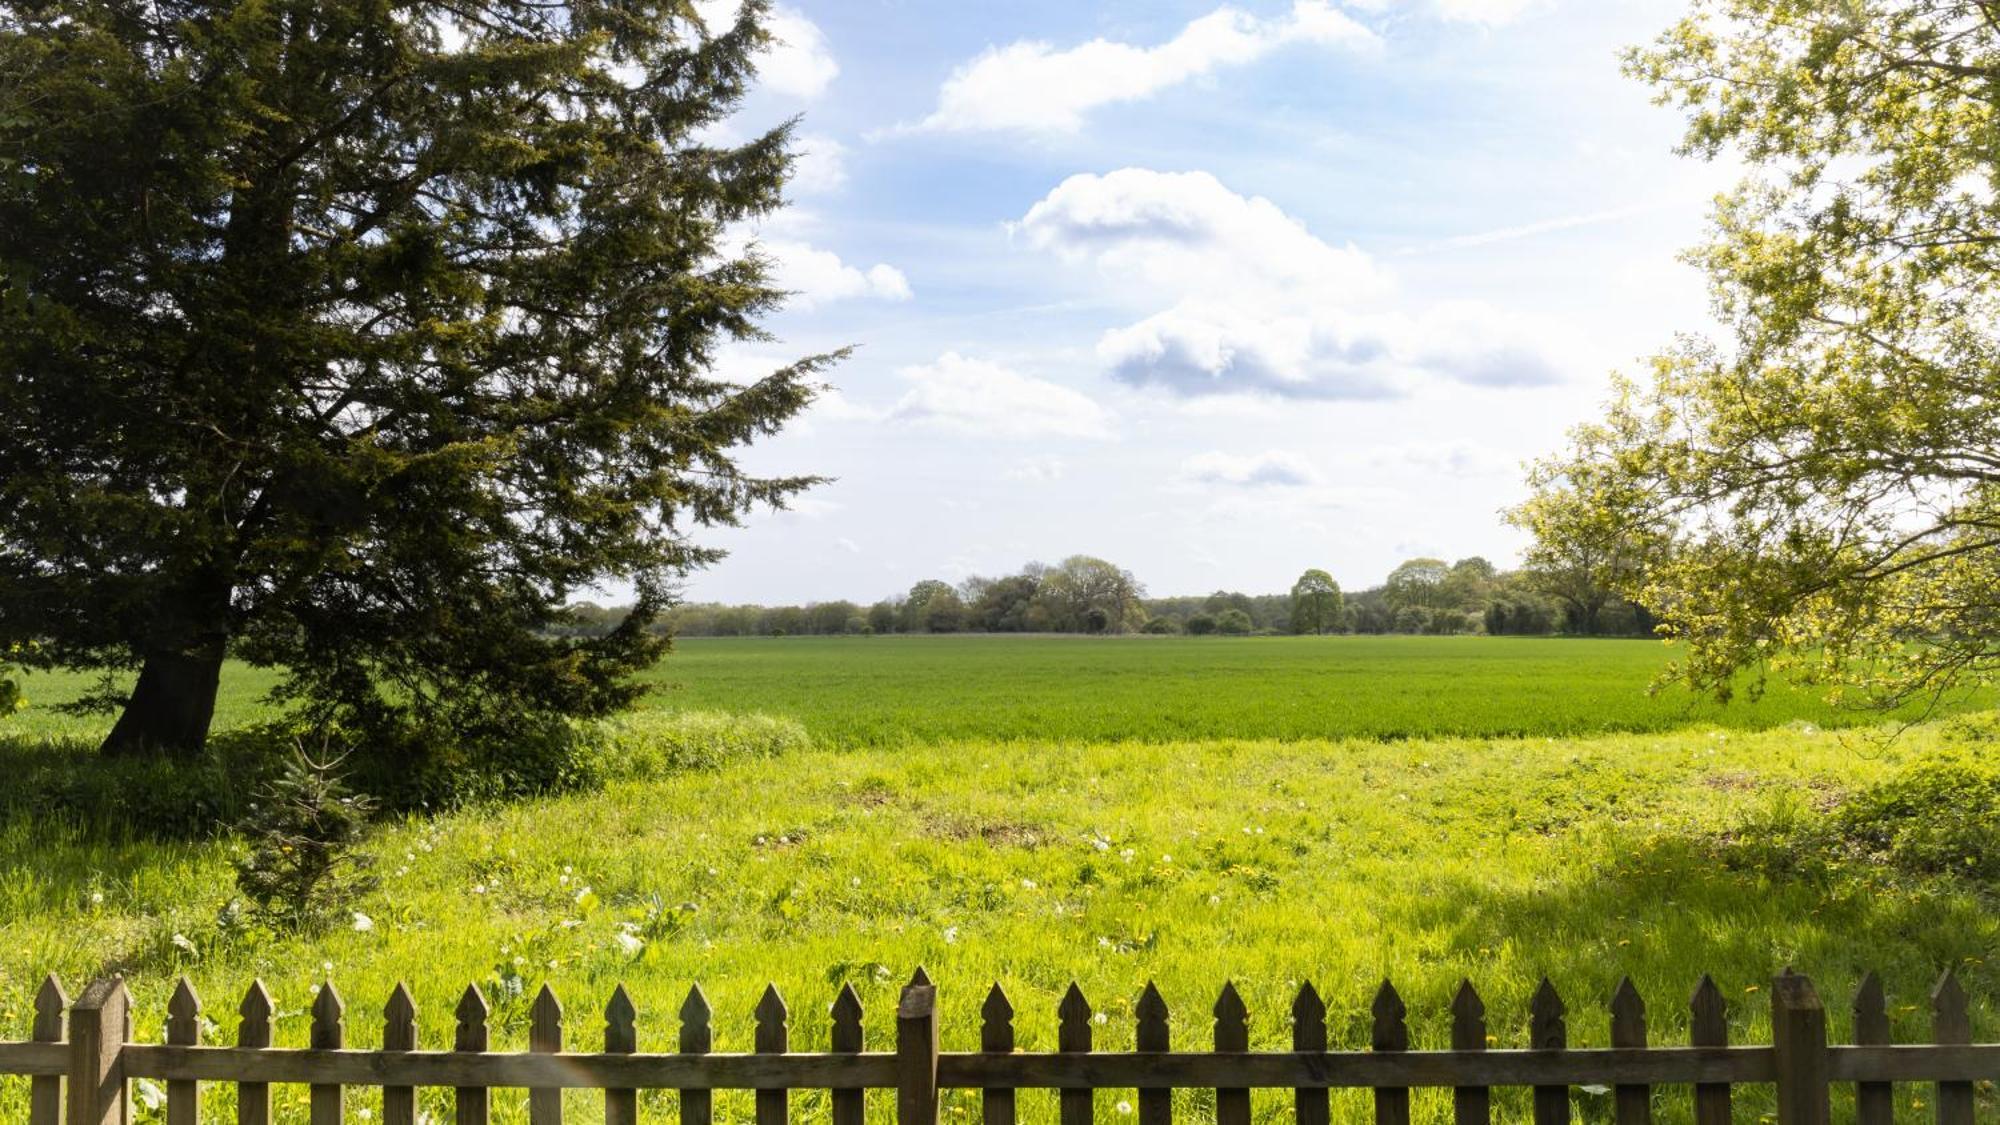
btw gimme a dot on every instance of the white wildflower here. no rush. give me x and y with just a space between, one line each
632 944
363 923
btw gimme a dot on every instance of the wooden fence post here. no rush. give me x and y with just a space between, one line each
472 1105
399 1033
1633 1104
1156 1107
1798 1040
773 1038
1074 1106
621 1037
847 1038
1470 1105
1232 1035
996 1036
917 1056
1390 1033
329 1033
45 1090
1708 1026
253 1099
1874 1102
1311 1105
545 1037
697 1038
1951 1022
184 1029
1548 1032
100 1024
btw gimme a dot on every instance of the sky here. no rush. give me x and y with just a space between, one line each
1218 293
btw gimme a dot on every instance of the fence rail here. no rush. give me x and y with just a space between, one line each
84 1078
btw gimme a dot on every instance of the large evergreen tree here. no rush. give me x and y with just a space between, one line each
356 336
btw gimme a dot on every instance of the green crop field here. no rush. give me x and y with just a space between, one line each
898 691
1032 810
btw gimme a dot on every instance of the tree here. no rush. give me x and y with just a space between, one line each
1000 605
1315 602
882 616
915 614
1822 487
1233 623
1418 583
1088 595
355 339
1200 625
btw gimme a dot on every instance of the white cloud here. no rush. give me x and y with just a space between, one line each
1256 303
821 165
848 545
1034 87
816 276
1040 470
798 63
975 396
1487 13
1275 469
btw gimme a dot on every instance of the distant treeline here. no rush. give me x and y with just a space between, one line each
1089 595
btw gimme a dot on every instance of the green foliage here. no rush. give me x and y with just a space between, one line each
1088 595
301 870
1316 603
1818 489
1233 623
369 416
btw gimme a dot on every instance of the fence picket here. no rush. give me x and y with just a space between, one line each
1310 1103
1709 1027
100 1025
45 1090
697 1038
1156 1107
1548 1032
545 1037
329 1033
184 1030
1232 1036
399 1033
1798 1043
253 1099
847 1039
1470 1105
1633 1104
621 1037
1390 1033
996 1037
917 1054
1951 1022
773 1038
1874 1102
1075 1107
474 1103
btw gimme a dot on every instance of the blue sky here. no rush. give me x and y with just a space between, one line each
1216 292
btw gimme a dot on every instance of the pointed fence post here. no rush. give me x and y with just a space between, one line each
1951 1023
1708 1026
45 1090
917 1055
329 1033
1311 1105
697 1038
1232 1036
1798 1040
1470 1105
399 1033
1874 1102
184 1030
100 1024
1074 1106
621 1037
1156 1106
1548 1032
545 1037
773 1038
474 1103
1390 1033
996 1037
849 1105
253 1099
1633 1104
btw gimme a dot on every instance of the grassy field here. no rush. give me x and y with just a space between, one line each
1032 810
902 691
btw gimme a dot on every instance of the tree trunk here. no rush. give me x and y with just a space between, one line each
171 705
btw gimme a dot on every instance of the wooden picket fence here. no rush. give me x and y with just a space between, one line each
90 1072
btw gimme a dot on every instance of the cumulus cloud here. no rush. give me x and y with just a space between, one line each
1275 469
1487 13
980 397
798 63
1040 470
1035 87
1256 303
816 276
821 165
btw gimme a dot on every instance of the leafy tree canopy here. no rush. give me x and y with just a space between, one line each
1315 602
357 338
1822 485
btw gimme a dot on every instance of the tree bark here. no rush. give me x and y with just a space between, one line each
171 705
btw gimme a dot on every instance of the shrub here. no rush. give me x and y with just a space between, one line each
302 870
1162 626
1200 624
646 744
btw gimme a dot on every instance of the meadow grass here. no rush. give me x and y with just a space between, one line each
919 690
1032 862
